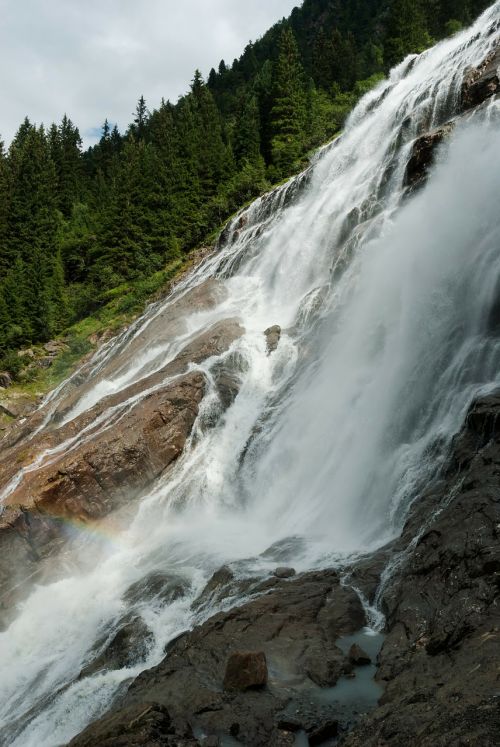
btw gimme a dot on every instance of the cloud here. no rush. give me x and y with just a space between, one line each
93 59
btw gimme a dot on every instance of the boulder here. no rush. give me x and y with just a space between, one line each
358 657
245 670
273 336
284 572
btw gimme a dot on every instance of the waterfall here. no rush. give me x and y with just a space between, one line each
384 301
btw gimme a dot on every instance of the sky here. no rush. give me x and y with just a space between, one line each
92 59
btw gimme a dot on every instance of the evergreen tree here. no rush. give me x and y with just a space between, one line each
140 119
288 115
246 137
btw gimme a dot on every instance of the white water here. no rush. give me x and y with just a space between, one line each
385 308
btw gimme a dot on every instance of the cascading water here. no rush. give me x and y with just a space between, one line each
385 305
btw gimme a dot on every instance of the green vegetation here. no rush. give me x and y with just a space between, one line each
91 235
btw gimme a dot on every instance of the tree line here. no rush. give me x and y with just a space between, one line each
76 223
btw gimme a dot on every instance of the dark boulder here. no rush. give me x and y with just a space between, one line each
358 657
245 670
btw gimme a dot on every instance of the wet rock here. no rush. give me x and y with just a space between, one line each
284 572
273 336
358 657
245 670
482 82
227 376
106 472
423 156
129 645
161 586
217 587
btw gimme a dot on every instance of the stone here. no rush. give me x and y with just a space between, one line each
284 572
273 336
5 379
245 670
54 347
358 657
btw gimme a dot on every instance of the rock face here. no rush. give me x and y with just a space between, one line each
439 660
293 625
96 476
479 84
482 82
423 155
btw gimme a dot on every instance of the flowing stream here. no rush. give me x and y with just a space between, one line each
387 306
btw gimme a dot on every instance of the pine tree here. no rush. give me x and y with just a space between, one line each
140 119
246 137
4 211
288 113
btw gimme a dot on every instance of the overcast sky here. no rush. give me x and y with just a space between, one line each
93 59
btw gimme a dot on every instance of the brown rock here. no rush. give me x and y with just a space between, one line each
245 670
358 657
54 347
273 336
